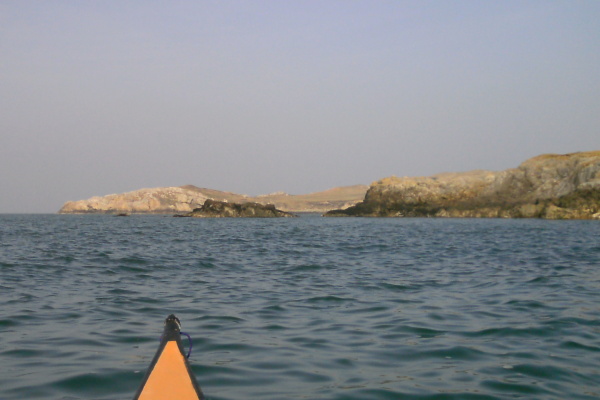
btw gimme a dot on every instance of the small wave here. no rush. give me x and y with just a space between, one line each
375 394
204 264
421 332
271 312
396 287
237 347
120 291
306 268
370 310
7 323
24 353
308 377
539 279
328 299
455 353
311 342
515 388
222 318
133 268
127 336
526 304
98 385
485 285
267 365
275 308
64 259
274 327
5 266
507 332
544 372
133 260
581 321
579 346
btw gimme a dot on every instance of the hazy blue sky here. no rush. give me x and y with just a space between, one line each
101 97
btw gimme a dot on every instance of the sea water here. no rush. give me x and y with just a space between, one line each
304 308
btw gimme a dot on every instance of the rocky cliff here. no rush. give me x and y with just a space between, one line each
169 200
222 209
548 186
156 200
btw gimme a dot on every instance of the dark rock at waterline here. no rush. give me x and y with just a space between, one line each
222 209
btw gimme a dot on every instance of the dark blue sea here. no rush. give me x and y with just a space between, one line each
304 308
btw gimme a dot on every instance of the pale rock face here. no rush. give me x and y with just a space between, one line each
558 175
157 200
547 186
541 177
180 200
447 186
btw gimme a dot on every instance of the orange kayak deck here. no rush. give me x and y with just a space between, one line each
169 375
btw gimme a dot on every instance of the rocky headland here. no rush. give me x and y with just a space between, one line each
222 209
143 201
549 186
184 199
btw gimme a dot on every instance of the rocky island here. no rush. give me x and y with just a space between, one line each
184 199
549 186
222 209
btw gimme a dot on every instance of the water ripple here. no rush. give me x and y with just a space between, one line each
308 308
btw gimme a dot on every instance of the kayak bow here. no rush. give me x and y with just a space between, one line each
169 375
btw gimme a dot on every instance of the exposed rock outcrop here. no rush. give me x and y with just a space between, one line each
548 186
143 201
169 200
222 209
